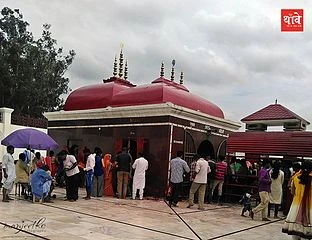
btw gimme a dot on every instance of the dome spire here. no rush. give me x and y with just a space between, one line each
126 70
181 78
172 70
115 67
162 71
121 61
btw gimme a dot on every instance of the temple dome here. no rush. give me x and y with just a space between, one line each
117 92
95 96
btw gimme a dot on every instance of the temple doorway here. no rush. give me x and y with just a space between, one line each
189 147
206 147
132 146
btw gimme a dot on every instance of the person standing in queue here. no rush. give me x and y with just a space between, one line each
72 175
98 177
89 171
140 165
177 167
8 173
123 164
199 184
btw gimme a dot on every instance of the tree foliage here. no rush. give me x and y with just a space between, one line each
31 71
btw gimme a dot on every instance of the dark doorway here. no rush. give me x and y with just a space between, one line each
221 151
206 148
189 147
131 144
133 149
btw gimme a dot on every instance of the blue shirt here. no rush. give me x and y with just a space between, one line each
38 178
98 168
177 167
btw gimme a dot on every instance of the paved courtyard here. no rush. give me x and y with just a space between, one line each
111 218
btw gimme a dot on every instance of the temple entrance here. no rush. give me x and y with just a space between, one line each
132 146
221 151
206 147
189 152
189 147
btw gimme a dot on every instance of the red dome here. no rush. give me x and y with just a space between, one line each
113 93
95 96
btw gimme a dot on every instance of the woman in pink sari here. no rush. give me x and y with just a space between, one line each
108 186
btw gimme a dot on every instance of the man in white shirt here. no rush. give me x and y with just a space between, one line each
140 165
72 173
199 184
8 173
89 169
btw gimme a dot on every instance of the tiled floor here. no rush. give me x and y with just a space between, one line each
111 218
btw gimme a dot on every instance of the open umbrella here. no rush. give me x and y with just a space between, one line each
30 137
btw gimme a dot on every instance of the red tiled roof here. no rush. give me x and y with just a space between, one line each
292 143
272 112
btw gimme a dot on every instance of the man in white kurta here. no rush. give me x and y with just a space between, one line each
8 173
140 165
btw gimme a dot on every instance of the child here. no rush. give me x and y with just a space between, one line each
246 203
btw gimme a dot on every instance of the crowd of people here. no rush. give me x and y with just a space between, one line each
206 175
96 172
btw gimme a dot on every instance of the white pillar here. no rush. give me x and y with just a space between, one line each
5 126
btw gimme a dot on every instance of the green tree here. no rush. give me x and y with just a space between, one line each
31 71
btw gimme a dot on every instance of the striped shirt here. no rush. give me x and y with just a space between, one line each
193 172
220 170
177 167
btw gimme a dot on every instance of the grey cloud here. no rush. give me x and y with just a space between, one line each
231 52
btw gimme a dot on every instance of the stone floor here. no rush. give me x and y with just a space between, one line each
111 218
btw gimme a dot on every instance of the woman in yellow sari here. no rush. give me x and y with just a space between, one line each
299 219
108 185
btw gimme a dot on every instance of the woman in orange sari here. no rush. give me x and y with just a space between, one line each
108 186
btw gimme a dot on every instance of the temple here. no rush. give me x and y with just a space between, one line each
157 119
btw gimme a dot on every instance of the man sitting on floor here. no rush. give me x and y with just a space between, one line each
41 183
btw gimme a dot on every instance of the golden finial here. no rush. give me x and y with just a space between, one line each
115 67
126 70
172 70
120 63
181 78
162 70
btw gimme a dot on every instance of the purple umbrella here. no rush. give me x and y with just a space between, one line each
29 137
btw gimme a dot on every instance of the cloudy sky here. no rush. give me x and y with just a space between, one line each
232 52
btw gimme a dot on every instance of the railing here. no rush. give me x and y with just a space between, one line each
29 121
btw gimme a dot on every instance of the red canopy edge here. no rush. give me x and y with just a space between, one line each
294 143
